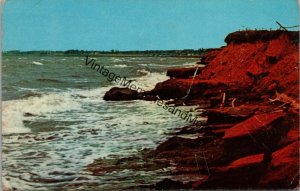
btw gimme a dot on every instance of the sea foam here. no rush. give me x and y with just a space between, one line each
149 79
120 66
14 110
37 63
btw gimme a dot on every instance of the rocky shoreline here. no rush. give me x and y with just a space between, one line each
251 93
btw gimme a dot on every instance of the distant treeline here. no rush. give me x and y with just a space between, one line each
162 53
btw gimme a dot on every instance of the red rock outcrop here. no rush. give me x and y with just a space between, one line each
243 173
248 64
253 85
255 125
209 56
283 171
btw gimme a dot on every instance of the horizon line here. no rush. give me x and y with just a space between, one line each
115 50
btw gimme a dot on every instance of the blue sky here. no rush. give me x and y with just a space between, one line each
136 24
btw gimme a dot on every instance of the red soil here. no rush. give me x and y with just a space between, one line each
264 65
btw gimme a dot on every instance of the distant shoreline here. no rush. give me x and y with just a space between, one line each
187 53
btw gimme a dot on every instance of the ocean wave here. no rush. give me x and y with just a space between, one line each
158 65
11 111
189 64
117 59
24 89
143 72
37 63
143 64
149 80
35 105
74 76
48 80
31 94
120 65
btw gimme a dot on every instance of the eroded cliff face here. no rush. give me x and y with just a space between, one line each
264 65
250 63
251 138
253 118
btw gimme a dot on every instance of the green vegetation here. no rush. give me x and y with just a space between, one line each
117 53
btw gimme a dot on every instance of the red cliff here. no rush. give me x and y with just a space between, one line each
251 139
252 132
259 62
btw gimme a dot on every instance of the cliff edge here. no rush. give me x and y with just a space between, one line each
251 137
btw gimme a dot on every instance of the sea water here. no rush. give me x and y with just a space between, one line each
55 121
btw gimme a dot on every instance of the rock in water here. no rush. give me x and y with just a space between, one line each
119 94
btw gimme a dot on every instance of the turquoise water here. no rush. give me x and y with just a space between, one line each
55 122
